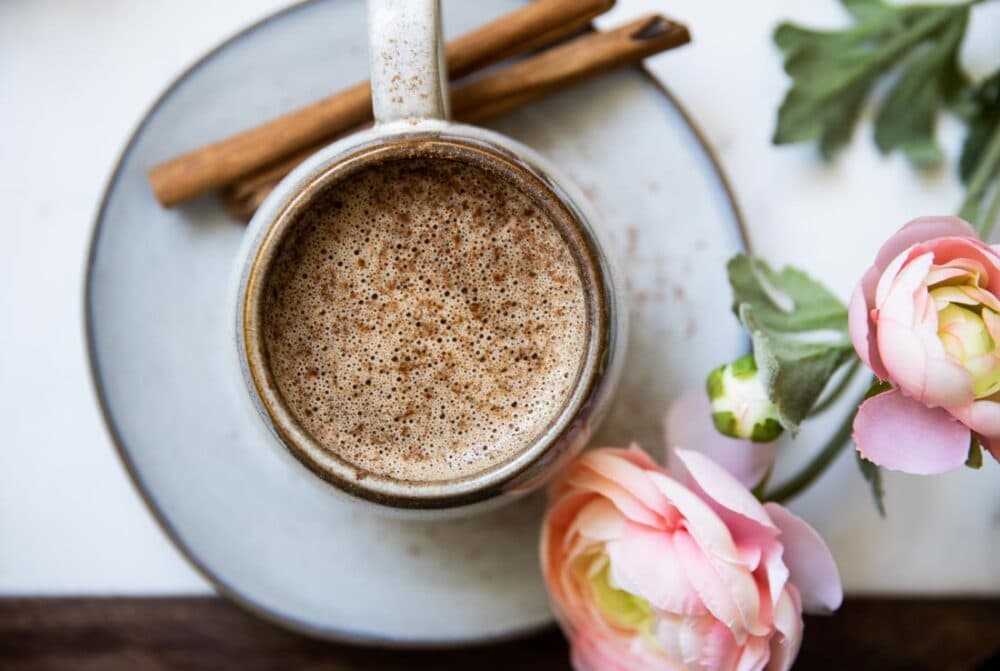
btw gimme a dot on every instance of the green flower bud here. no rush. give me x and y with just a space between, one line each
741 407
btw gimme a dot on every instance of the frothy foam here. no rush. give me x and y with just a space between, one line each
424 320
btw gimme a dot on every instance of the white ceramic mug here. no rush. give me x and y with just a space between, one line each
410 104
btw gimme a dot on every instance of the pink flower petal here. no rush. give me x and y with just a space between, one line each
811 566
637 456
969 249
644 562
861 327
951 271
909 344
721 487
917 362
754 655
902 269
552 546
992 321
788 621
742 513
920 230
719 598
701 643
764 597
599 520
594 650
750 555
868 285
981 416
561 516
589 480
713 560
776 571
633 455
977 295
626 473
688 425
899 433
701 521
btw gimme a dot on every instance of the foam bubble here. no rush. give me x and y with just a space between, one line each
425 320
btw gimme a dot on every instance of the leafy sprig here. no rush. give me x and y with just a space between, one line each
798 329
833 73
979 166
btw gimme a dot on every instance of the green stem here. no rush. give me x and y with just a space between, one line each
758 491
794 486
988 168
992 213
898 45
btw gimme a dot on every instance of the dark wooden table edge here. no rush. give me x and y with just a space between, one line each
870 632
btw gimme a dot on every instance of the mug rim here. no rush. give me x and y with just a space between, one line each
526 467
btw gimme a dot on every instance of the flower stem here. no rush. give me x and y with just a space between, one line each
758 491
992 211
988 168
794 485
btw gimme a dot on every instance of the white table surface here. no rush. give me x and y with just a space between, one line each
76 77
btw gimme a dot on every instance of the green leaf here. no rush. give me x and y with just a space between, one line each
837 132
799 333
975 458
867 10
785 301
794 372
980 162
833 73
931 80
873 476
877 387
981 109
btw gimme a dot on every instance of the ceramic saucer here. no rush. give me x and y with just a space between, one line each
264 531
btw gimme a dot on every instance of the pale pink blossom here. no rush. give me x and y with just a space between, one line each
926 318
649 571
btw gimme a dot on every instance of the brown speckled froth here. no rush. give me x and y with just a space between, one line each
424 320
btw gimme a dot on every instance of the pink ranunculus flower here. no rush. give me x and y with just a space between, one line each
926 318
650 571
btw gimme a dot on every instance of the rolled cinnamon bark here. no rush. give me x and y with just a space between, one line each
543 74
207 168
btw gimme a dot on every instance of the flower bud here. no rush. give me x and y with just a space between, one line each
741 407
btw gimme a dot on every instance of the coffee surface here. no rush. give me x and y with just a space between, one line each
424 320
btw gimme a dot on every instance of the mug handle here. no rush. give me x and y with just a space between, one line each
406 60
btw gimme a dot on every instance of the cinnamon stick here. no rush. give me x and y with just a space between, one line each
210 167
516 85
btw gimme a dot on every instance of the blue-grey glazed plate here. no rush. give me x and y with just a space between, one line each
264 531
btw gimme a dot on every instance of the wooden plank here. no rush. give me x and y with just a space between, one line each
210 633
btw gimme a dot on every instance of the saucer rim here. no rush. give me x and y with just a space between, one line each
217 582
